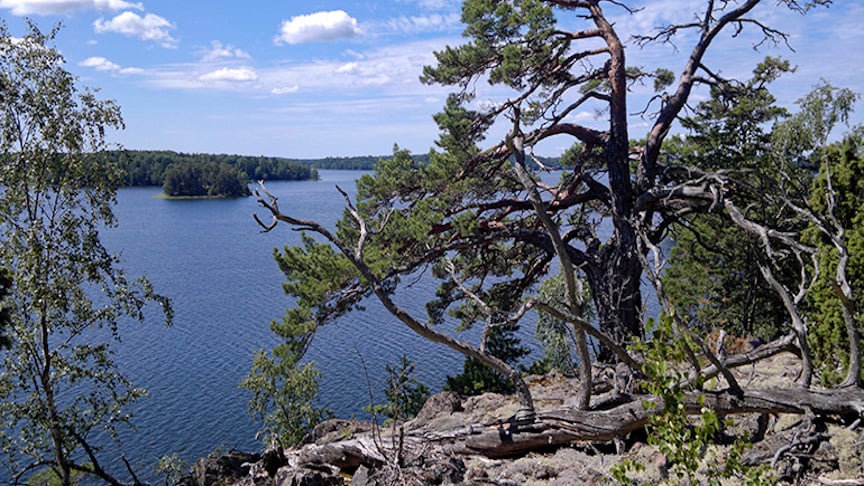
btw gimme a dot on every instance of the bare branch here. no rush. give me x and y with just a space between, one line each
514 143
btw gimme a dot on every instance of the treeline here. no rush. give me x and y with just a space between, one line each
149 168
190 179
201 174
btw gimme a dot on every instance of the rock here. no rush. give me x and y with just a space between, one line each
273 460
334 430
360 477
442 470
444 403
302 476
225 469
418 470
786 421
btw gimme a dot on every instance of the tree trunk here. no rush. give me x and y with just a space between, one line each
617 295
63 467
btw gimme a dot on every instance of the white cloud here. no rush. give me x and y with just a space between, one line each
487 106
319 26
150 27
230 74
285 90
435 4
393 70
218 52
102 64
426 23
99 64
60 7
582 116
347 68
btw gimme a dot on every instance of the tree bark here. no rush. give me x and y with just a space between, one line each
561 427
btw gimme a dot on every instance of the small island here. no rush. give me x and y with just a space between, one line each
183 175
210 180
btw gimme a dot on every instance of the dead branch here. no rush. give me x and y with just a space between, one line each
355 257
562 427
514 144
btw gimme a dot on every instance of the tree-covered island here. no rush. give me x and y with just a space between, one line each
205 175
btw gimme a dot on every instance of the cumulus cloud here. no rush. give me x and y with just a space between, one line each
218 52
61 7
285 90
99 64
230 75
150 27
102 64
316 27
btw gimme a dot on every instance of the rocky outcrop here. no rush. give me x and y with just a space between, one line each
479 441
225 469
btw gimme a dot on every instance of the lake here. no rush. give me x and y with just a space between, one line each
210 258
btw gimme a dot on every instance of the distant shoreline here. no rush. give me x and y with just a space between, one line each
162 195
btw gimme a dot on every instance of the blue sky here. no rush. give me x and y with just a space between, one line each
306 79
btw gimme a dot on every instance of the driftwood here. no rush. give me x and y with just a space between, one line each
565 426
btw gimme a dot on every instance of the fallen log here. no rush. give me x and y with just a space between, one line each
509 437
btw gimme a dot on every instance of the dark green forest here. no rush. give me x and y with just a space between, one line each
148 168
190 179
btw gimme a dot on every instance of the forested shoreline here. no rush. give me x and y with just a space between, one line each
149 167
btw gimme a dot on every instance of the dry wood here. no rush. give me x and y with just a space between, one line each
560 427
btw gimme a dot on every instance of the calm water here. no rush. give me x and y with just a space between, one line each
209 257
211 260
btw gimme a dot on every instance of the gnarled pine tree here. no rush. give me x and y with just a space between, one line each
490 230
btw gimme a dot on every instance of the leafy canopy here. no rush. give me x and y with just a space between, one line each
67 295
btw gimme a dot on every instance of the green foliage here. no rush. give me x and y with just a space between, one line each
512 39
714 279
555 335
50 477
212 180
800 142
59 384
148 168
826 332
729 129
819 112
284 395
476 378
713 276
172 468
663 78
405 394
284 390
681 439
